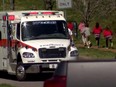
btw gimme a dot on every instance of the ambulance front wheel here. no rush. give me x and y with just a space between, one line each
20 72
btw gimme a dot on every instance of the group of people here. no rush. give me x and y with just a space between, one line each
96 31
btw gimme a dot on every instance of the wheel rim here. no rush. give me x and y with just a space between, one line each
20 72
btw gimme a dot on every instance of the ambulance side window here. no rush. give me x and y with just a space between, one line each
18 31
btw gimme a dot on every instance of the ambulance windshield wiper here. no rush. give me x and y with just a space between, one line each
37 37
48 36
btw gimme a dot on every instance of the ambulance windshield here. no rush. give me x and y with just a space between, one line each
44 30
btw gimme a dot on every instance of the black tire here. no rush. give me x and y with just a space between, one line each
20 72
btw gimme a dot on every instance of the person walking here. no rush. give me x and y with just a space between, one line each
81 27
70 25
97 30
86 34
71 36
107 33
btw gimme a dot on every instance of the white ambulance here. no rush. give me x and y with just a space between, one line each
34 41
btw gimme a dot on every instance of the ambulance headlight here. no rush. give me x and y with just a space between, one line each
28 55
74 53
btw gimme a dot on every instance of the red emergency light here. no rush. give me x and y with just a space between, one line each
30 13
4 18
33 13
11 17
48 13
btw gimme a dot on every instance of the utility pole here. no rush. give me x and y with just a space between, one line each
12 4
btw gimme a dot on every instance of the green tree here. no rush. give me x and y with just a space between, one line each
90 9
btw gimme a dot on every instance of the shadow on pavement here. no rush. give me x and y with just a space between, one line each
30 77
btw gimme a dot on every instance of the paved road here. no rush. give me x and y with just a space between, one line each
31 81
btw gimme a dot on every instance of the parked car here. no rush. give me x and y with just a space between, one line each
87 73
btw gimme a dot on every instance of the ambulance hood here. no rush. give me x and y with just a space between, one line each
48 43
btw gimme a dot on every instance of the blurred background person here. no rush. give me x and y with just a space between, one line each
71 36
86 33
97 30
70 25
81 27
107 33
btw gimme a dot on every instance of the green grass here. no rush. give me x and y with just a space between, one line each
6 85
96 54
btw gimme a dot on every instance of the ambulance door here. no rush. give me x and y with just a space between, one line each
14 41
11 42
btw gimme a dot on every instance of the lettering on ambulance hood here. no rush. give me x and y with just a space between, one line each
51 45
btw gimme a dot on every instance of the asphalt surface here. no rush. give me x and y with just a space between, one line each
31 80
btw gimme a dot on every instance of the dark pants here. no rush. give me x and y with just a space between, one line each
97 40
107 41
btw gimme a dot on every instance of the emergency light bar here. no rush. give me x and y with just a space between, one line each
42 13
30 13
51 13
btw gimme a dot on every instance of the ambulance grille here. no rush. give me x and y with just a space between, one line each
52 53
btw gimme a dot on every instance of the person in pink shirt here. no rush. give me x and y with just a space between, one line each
107 33
81 26
97 30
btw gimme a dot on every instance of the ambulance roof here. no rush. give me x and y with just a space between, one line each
41 15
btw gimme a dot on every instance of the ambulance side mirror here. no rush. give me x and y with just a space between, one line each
0 35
